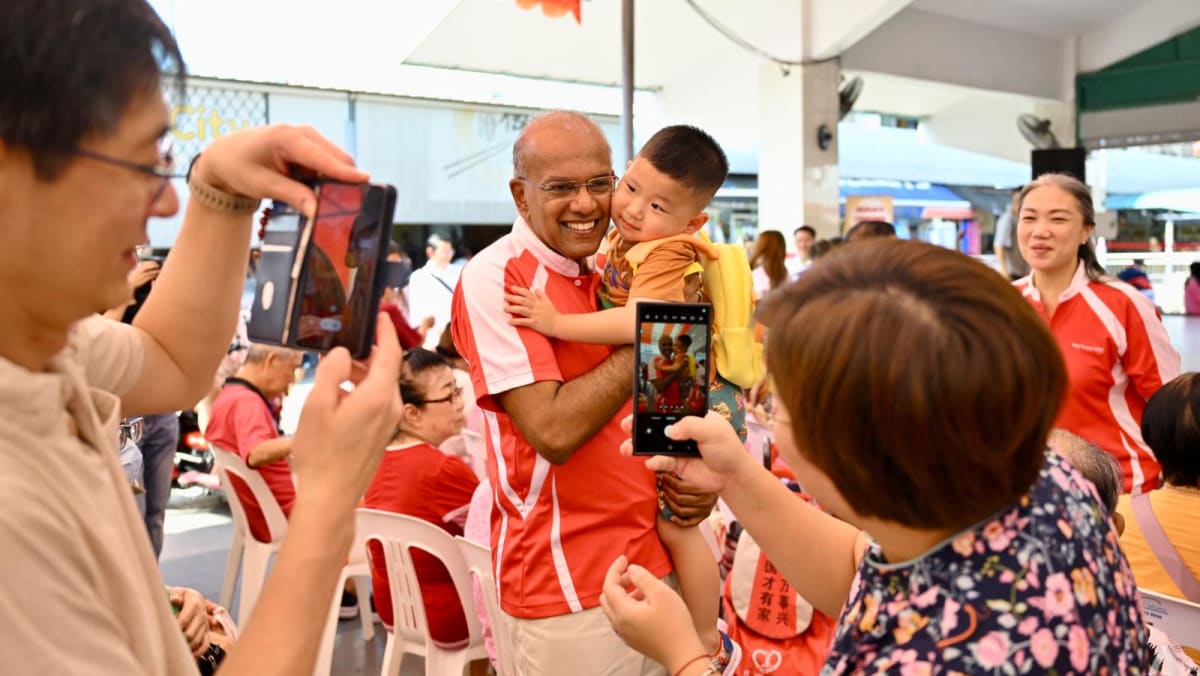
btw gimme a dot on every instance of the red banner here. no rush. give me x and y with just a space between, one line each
554 8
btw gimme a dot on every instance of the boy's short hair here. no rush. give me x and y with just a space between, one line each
805 228
1092 462
71 69
688 155
686 339
881 344
1171 428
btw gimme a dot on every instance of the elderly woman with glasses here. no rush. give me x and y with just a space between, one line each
417 479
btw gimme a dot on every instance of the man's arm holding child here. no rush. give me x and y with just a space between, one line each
556 418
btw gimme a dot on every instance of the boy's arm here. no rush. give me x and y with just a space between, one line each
615 326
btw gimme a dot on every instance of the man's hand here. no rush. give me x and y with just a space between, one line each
532 309
689 505
192 617
257 163
341 435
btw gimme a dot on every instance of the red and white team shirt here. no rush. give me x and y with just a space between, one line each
555 529
1117 354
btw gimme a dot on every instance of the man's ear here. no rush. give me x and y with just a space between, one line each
697 222
517 187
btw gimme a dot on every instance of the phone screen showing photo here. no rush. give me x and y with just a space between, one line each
339 293
670 373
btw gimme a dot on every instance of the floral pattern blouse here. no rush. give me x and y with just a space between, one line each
1041 587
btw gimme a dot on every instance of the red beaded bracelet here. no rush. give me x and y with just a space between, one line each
692 661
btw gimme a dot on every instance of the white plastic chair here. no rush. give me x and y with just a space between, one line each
253 554
1175 617
397 534
359 568
479 564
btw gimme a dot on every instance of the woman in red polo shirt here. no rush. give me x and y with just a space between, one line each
1111 337
417 479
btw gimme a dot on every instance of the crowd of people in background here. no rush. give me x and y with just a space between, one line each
973 518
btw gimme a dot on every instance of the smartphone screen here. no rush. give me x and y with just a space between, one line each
340 280
670 373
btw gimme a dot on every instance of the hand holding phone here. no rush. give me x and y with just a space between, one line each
673 343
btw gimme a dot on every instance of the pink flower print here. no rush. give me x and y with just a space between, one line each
1085 586
998 537
1007 577
992 650
1027 626
950 616
964 544
1060 599
926 598
1060 478
1044 647
1077 644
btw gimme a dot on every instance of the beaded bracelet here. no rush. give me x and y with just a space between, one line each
692 661
217 199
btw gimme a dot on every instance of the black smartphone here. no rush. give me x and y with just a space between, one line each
670 373
342 275
319 282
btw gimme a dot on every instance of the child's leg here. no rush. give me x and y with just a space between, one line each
699 579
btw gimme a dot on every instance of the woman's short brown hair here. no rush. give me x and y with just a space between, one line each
917 379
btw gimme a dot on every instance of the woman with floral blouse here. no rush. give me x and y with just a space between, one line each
957 542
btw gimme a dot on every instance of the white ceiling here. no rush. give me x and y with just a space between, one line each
1045 18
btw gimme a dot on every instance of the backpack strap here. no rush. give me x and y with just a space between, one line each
1163 550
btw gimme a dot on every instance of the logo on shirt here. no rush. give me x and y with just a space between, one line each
1094 349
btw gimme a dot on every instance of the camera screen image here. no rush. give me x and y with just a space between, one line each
673 364
340 266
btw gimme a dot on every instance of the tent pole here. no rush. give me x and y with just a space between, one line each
627 79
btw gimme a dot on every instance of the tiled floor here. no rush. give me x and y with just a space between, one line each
199 530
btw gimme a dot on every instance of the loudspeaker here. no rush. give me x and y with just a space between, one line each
1060 160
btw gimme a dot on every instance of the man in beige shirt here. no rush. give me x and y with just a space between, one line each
82 167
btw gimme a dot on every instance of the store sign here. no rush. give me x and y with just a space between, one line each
203 124
861 208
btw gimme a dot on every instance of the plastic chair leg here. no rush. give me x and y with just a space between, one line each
440 662
324 662
231 570
392 658
254 573
362 583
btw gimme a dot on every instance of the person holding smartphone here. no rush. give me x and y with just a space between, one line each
85 160
662 196
565 500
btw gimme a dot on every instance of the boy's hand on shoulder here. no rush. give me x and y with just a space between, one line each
531 309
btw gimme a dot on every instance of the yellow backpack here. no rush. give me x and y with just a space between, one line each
729 286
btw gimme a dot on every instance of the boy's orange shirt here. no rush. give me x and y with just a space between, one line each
660 277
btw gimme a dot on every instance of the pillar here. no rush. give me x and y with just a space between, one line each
798 148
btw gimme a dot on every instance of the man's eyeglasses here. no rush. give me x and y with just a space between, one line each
162 171
561 190
452 397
